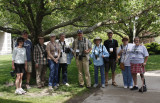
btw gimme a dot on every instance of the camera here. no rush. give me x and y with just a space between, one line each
80 57
67 50
96 56
45 54
13 73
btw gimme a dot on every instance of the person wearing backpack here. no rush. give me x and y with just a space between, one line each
40 59
98 53
124 53
81 49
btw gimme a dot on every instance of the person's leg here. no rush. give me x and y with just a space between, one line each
59 72
55 74
17 82
130 80
80 74
124 72
64 73
28 74
134 75
52 70
96 74
43 74
102 74
86 71
20 80
107 67
113 68
38 75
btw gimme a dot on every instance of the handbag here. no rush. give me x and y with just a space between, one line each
105 59
122 66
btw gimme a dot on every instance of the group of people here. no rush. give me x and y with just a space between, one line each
58 55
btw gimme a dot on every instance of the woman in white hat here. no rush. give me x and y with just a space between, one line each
98 53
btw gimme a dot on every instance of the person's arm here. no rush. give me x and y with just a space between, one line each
105 52
35 56
89 47
92 55
49 53
146 54
119 51
25 58
13 58
116 51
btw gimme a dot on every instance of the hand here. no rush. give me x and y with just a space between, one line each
121 51
13 67
36 65
26 67
86 51
116 60
56 60
103 56
144 64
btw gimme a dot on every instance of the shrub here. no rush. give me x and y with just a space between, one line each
153 48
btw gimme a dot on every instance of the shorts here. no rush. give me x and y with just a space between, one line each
137 68
19 68
111 64
29 67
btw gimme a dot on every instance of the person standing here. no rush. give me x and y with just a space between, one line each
53 56
98 53
124 51
111 45
40 59
82 47
63 60
28 47
19 64
139 56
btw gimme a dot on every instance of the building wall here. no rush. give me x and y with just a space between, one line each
5 43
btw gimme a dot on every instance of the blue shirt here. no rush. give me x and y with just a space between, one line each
96 55
28 46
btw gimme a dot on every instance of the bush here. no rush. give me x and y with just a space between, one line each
153 48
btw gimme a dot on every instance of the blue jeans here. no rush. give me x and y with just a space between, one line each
127 77
53 75
63 66
102 74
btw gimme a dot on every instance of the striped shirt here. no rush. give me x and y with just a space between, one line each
39 57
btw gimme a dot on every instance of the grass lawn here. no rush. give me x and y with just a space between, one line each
63 94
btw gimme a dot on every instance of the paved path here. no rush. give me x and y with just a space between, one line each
118 94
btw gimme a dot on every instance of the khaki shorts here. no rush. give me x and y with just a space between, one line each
29 67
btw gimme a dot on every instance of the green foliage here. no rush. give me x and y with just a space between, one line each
153 48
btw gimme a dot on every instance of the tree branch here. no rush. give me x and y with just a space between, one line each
10 30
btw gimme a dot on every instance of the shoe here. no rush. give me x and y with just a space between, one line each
81 86
95 85
18 92
114 84
88 87
144 89
39 86
66 84
103 85
50 88
134 88
27 86
106 83
55 87
125 87
23 91
130 87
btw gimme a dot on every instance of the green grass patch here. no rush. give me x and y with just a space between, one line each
62 94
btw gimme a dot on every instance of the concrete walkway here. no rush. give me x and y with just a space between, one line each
111 94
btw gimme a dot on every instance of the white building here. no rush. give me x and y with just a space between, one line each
5 43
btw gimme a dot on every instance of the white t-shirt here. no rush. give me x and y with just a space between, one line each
62 59
125 58
19 55
138 54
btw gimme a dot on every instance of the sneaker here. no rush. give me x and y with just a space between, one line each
95 85
81 86
66 84
144 89
50 88
18 92
103 85
125 87
27 86
134 88
23 91
130 87
55 87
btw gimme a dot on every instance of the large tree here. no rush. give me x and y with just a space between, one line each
41 17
